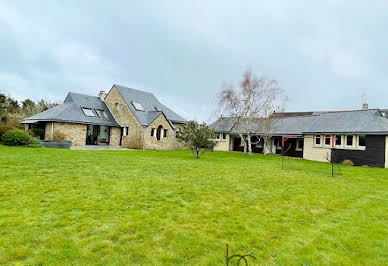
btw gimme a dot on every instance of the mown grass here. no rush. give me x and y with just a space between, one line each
165 207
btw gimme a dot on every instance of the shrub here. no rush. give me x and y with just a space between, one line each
16 137
4 127
348 162
59 136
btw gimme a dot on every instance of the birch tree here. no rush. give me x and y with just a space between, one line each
252 100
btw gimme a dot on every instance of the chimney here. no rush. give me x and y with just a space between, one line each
270 112
364 106
102 95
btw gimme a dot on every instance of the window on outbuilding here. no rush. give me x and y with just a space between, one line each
349 140
152 132
117 106
327 140
164 133
299 145
88 111
317 140
361 140
338 140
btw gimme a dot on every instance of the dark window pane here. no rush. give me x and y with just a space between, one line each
318 140
338 140
327 140
349 140
361 140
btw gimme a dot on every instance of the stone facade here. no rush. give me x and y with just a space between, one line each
124 116
115 133
312 152
223 145
76 133
179 145
165 143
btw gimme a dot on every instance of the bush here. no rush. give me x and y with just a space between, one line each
16 137
4 127
348 162
59 136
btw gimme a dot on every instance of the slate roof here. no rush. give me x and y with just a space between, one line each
356 122
70 111
150 104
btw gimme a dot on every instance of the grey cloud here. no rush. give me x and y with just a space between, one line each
324 53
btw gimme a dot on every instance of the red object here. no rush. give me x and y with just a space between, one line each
296 137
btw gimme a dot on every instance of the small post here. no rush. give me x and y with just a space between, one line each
331 156
227 255
282 151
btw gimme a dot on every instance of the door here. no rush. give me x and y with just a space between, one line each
92 133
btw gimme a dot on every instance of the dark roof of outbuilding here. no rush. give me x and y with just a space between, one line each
357 122
149 103
71 111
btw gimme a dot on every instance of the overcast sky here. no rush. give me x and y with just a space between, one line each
325 54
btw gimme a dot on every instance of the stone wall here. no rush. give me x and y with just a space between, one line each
165 143
179 145
115 133
76 133
125 118
223 144
311 152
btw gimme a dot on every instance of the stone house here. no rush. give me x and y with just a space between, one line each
122 117
358 135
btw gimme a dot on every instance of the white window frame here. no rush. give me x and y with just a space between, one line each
117 107
125 131
297 148
346 141
320 141
89 109
358 142
335 141
324 141
104 114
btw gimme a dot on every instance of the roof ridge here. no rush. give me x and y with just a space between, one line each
124 87
82 94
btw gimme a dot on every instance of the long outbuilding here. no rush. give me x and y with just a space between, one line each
357 135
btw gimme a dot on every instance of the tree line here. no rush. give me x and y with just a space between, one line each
12 109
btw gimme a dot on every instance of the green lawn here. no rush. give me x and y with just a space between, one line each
165 207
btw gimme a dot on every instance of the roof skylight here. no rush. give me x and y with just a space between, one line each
88 111
138 106
101 113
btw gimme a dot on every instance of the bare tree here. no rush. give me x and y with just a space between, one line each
253 99
267 127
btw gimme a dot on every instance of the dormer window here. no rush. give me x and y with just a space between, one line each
138 106
88 111
101 113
